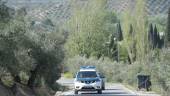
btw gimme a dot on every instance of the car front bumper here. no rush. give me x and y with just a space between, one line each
88 87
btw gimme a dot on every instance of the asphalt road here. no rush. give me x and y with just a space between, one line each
111 90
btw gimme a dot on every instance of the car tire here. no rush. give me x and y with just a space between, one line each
75 92
103 88
99 91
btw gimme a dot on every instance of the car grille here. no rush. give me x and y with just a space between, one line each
88 82
88 88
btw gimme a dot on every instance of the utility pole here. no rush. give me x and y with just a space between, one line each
118 51
117 45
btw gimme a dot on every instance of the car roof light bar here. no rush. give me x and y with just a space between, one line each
87 67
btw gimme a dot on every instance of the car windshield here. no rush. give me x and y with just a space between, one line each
87 74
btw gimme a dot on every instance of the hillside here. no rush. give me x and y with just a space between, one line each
60 9
152 6
40 38
19 90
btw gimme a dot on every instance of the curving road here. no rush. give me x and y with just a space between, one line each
111 90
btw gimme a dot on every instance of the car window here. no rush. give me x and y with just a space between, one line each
87 74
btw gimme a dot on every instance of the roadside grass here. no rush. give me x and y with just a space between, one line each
157 89
63 88
68 75
134 88
130 87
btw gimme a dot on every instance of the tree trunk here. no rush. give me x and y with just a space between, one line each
33 76
17 79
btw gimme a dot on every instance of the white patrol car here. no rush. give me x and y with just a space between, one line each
87 79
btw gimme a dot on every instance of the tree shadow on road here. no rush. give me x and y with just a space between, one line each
109 92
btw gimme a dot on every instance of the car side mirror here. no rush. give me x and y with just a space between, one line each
74 76
102 76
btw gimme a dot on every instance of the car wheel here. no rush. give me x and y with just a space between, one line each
99 91
103 88
75 92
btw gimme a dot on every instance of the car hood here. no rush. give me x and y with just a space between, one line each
87 79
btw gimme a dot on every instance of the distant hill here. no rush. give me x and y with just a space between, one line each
28 3
152 6
61 9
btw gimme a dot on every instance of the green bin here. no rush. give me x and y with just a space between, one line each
144 82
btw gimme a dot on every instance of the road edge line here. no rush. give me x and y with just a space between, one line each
130 91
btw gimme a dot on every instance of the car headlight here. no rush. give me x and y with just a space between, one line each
98 80
78 81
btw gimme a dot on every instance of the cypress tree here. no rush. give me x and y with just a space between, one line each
112 53
132 58
111 41
167 34
131 30
155 37
159 44
150 36
119 32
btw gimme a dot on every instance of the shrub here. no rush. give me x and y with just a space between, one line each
68 75
104 65
157 65
24 77
7 80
